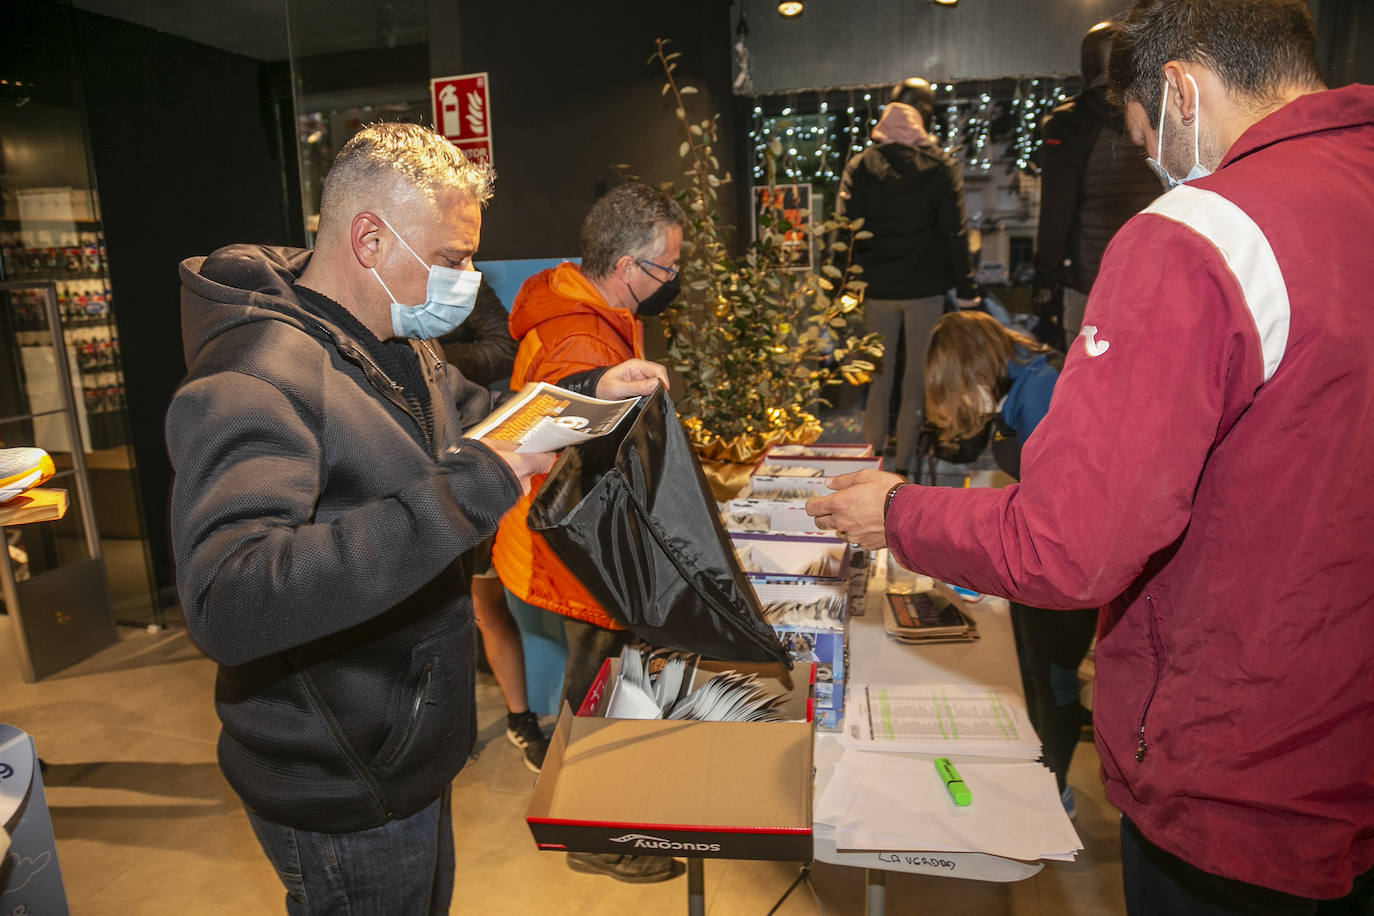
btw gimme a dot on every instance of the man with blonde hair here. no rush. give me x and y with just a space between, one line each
324 512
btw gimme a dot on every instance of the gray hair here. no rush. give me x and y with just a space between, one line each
631 219
389 161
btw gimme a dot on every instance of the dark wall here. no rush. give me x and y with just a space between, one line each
188 157
1345 33
865 42
571 94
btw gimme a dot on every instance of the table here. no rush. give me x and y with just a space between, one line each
876 659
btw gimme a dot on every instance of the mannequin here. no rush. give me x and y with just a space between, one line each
910 194
1092 180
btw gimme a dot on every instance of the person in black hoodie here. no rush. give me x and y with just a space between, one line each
1093 179
324 512
910 195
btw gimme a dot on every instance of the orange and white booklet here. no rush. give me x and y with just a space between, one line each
546 418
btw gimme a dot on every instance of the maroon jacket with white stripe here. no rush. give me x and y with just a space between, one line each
1206 473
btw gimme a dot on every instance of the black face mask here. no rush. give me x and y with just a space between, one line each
659 299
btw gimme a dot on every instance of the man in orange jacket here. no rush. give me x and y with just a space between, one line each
569 319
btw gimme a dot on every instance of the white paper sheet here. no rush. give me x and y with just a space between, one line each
939 719
898 802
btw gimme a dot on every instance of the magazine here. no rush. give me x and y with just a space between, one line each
546 418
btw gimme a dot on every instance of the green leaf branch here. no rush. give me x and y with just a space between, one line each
757 340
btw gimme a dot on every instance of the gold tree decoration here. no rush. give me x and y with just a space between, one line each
757 340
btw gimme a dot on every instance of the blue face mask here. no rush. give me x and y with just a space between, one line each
1198 170
449 297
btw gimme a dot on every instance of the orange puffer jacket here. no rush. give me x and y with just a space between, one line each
564 326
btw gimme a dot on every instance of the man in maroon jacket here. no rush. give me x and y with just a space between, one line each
1202 475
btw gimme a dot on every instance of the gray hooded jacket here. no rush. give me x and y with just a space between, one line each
322 539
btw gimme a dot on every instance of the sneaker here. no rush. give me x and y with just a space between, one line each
522 728
630 869
22 469
1066 798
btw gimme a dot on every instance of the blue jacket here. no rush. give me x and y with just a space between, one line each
1025 405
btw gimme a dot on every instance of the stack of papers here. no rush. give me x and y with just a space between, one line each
942 720
895 803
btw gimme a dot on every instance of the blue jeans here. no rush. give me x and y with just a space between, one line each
402 867
546 653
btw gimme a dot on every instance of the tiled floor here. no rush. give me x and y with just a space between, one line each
146 824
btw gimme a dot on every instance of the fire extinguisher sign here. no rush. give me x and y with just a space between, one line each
462 112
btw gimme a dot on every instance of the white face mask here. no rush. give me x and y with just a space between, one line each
1198 170
450 295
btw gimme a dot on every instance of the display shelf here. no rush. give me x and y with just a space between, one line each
40 504
57 275
91 340
48 223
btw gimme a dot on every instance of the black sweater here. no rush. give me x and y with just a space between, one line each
1093 179
482 346
912 200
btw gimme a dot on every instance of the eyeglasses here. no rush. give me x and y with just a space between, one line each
670 271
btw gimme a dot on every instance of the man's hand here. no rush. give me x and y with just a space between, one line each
524 465
969 303
855 510
630 379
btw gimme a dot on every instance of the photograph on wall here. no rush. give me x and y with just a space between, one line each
790 205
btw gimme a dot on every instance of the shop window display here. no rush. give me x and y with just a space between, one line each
52 250
989 126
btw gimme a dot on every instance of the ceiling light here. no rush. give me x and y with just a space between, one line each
790 9
945 2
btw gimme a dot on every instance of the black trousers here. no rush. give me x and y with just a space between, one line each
1050 646
1158 883
588 646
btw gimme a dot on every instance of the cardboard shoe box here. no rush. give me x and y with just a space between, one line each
822 450
826 466
764 515
719 790
808 558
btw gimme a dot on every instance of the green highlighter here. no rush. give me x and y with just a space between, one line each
958 789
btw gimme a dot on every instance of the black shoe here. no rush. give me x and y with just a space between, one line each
630 869
522 728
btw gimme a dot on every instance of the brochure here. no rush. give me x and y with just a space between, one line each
546 418
925 617
661 687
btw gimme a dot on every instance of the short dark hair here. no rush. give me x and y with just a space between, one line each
631 219
1256 47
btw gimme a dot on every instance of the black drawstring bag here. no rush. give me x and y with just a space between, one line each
631 515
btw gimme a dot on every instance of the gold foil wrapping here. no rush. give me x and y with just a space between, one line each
727 462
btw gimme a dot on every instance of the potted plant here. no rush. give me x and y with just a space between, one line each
756 340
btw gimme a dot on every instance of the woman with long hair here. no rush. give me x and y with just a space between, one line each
979 372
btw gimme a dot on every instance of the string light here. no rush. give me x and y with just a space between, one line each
818 141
